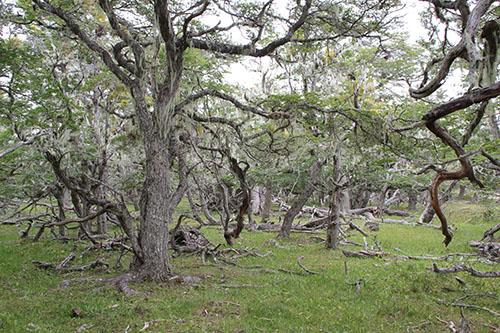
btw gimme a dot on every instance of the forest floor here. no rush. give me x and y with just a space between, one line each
345 294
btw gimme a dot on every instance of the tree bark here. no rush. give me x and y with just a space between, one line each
301 200
267 204
333 227
461 193
412 199
428 213
155 210
59 194
245 200
194 209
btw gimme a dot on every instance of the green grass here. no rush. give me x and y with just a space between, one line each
394 294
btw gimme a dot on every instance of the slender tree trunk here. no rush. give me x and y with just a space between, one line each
301 200
345 201
461 193
206 211
428 213
333 227
412 199
381 200
194 209
102 220
494 128
267 204
245 200
59 194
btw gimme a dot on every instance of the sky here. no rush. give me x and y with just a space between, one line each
243 73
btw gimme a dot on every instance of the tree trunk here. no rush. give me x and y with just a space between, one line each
102 220
155 210
333 228
267 204
194 209
204 207
428 213
494 128
255 202
412 199
59 194
301 200
461 193
345 201
381 200
245 200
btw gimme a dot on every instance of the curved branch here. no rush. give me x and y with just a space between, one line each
86 39
250 49
464 48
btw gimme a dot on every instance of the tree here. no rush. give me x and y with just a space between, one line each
150 64
474 28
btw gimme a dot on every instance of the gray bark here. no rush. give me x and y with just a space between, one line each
461 192
333 227
428 213
412 199
301 199
267 203
155 210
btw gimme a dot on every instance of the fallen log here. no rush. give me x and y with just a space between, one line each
66 269
322 212
490 250
365 254
464 268
490 233
413 224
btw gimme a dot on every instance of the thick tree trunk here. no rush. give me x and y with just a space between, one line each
155 211
301 200
267 204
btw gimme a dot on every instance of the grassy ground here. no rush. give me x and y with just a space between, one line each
393 295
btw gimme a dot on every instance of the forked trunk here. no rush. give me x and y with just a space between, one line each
301 200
